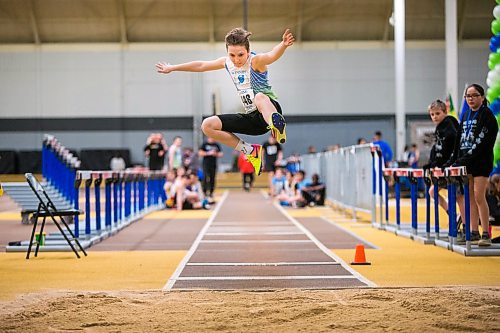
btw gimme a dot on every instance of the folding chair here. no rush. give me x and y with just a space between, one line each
46 208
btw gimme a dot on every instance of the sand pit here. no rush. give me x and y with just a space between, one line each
457 309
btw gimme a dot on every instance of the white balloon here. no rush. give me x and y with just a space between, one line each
490 74
496 12
489 82
495 73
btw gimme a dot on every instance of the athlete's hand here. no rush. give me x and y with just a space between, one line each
288 38
164 68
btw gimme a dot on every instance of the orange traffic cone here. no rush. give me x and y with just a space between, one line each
359 256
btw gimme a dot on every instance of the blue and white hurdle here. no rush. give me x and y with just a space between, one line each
128 196
422 231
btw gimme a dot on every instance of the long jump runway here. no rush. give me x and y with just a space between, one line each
250 243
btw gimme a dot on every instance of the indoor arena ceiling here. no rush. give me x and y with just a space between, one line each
139 21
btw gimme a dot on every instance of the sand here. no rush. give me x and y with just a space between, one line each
457 309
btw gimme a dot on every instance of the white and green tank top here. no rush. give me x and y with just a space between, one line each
249 82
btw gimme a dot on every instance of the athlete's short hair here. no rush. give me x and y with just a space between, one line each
238 36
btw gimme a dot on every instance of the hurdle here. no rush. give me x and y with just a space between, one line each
416 231
120 209
422 232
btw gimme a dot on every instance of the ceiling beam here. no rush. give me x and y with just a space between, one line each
211 22
461 19
123 22
33 22
299 9
387 24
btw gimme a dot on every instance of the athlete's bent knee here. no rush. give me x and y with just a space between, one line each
260 98
211 124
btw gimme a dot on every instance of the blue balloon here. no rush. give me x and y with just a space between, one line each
495 106
494 43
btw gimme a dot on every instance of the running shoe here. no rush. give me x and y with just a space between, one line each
255 157
277 126
474 237
485 240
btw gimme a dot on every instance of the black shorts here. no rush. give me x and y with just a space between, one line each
247 123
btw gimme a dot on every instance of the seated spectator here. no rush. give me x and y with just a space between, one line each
186 195
169 181
196 187
278 182
314 192
293 196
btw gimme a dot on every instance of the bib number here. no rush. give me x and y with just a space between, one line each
247 96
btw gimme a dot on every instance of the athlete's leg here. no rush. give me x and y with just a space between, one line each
442 201
272 117
212 127
264 106
474 213
480 184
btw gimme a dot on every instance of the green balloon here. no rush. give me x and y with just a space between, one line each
497 153
495 26
493 93
498 2
493 60
490 64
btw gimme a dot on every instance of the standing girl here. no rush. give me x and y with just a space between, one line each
477 134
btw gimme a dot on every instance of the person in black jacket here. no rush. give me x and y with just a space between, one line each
474 150
445 137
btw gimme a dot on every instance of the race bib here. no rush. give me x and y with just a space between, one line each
247 96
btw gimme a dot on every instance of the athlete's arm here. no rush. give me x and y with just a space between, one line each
193 66
260 61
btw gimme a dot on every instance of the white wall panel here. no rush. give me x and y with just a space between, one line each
308 80
80 84
18 85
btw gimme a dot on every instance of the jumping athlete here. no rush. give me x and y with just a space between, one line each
248 72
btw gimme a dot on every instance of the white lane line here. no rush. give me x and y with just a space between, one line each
252 233
283 263
171 281
270 277
324 248
252 224
256 241
350 232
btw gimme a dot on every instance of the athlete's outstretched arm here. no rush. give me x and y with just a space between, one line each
193 66
263 59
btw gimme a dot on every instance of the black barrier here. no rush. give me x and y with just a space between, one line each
99 159
8 161
29 161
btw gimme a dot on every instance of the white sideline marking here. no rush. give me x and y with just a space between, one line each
284 263
271 277
252 233
171 281
257 241
349 232
324 248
